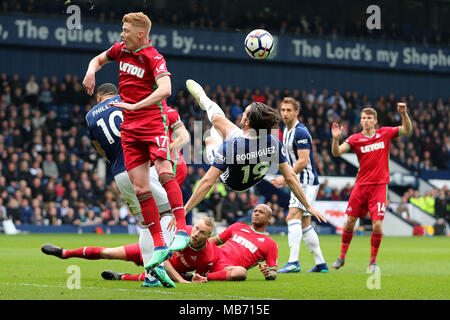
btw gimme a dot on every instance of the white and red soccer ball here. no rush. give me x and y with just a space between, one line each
259 44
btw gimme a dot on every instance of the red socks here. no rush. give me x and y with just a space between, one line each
150 214
346 239
130 277
90 253
219 275
175 197
374 245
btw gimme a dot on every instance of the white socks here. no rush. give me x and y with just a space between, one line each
295 234
211 107
146 245
294 238
312 242
168 235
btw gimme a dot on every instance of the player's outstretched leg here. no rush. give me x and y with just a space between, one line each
53 250
112 275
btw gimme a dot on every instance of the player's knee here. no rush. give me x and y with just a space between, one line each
108 253
238 274
143 194
165 177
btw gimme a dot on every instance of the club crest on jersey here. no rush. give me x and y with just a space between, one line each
131 69
372 147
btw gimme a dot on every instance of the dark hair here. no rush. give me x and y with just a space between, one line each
107 89
261 116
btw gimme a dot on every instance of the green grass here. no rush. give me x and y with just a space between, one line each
411 268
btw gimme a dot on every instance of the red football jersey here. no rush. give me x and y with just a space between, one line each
373 155
246 247
138 72
198 260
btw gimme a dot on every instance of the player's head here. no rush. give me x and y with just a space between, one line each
201 231
289 109
261 215
105 91
260 116
135 30
368 118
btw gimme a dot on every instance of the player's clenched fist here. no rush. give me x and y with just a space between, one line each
89 82
401 107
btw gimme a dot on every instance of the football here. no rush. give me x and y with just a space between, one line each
259 44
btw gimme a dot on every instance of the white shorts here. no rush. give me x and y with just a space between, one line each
310 193
212 148
126 188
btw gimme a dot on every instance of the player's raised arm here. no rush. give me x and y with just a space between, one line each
406 127
292 181
204 185
94 65
336 149
162 92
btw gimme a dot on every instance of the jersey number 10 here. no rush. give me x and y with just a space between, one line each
112 125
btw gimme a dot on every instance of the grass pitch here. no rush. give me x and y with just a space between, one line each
410 268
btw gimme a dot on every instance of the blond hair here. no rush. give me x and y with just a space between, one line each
292 101
209 223
138 20
370 112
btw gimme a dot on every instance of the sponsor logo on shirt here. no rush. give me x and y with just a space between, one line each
302 141
245 230
245 243
131 69
261 239
372 147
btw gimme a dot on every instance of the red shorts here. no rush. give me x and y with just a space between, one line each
144 141
220 263
133 253
368 198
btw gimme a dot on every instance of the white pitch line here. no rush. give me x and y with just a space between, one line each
134 290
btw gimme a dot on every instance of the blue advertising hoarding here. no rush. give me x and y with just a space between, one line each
53 33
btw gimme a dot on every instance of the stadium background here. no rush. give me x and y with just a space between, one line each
51 177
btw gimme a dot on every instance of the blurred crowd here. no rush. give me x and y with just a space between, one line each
277 17
48 171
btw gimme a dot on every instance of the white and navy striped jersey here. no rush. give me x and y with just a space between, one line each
104 123
245 161
296 139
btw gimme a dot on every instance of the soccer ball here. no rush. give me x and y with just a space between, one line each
259 44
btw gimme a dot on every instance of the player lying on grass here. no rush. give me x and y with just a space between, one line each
104 123
197 256
243 247
247 153
369 195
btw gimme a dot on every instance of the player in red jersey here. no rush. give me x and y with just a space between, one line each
370 191
245 246
197 256
144 83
